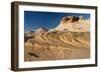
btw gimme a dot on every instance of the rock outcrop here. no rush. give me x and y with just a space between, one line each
66 41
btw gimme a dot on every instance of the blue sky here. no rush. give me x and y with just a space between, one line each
35 19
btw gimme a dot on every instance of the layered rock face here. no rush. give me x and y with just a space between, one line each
62 43
74 24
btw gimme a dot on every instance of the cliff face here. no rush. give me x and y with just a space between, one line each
60 43
74 24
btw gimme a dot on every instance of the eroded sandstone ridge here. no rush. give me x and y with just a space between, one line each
69 40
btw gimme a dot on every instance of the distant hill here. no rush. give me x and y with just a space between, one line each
41 30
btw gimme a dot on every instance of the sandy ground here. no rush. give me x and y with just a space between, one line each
56 54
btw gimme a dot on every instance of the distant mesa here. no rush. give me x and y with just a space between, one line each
32 31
